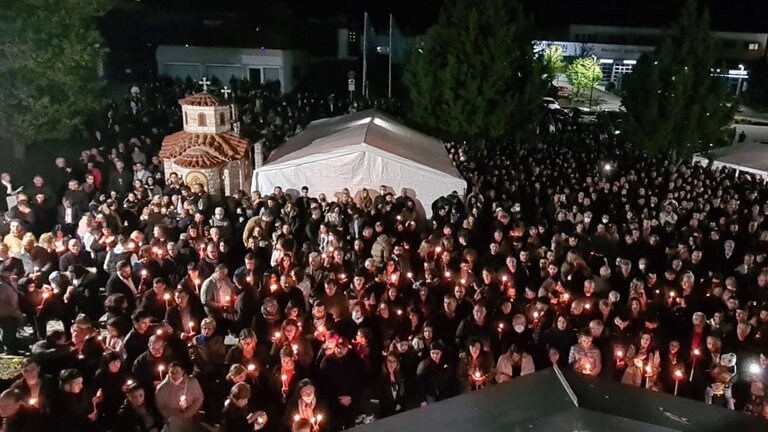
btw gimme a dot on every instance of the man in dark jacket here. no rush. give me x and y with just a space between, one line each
340 377
437 375
135 415
17 417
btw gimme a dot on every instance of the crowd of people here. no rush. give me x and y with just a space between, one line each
273 312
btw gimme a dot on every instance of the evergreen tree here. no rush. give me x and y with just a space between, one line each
50 54
674 105
473 76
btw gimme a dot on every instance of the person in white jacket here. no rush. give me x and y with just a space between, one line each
514 363
179 398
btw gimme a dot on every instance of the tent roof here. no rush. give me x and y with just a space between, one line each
542 402
748 155
370 127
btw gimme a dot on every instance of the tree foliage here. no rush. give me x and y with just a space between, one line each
674 105
50 53
473 76
552 62
584 74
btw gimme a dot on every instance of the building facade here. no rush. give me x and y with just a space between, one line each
255 64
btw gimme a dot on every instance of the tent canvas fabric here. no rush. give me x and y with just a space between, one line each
543 402
361 150
747 157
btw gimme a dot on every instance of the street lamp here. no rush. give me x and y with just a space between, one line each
741 76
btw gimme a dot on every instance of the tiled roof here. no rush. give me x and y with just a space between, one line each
202 100
193 150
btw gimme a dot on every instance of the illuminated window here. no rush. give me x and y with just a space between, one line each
753 46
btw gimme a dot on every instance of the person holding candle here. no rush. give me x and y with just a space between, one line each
284 377
74 409
135 415
584 356
248 351
137 339
237 416
18 417
109 381
207 353
157 300
151 367
291 337
475 367
123 281
179 398
34 388
217 295
186 310
304 405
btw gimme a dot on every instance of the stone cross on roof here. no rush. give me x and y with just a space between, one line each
226 90
204 82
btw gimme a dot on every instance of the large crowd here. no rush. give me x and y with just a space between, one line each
273 312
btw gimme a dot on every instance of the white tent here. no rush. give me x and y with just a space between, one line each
747 157
361 150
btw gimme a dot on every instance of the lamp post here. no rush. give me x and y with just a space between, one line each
741 76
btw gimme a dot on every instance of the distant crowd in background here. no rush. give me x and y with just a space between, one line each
265 311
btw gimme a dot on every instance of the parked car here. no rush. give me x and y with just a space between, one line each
550 103
585 116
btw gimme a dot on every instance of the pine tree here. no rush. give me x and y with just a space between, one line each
50 53
473 76
674 104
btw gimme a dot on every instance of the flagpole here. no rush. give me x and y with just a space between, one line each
365 54
389 80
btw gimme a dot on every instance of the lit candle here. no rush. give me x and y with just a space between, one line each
227 300
399 312
588 368
191 326
296 417
619 356
535 315
197 285
410 275
159 332
251 367
161 369
438 249
143 274
463 281
276 336
678 377
295 348
248 279
648 375
566 297
316 421
587 306
447 274
32 402
273 287
672 294
343 276
696 353
504 279
183 402
129 383
393 278
167 298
